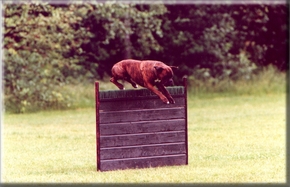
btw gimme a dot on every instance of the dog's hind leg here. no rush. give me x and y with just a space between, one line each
115 81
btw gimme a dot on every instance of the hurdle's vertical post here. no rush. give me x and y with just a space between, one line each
97 125
186 120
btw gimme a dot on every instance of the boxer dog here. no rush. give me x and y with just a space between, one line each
146 73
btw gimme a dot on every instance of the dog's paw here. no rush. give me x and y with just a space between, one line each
166 101
121 87
171 100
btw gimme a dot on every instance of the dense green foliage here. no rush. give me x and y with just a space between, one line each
37 39
47 46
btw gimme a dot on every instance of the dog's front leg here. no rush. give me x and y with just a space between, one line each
165 92
154 90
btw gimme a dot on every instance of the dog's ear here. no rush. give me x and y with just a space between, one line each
158 69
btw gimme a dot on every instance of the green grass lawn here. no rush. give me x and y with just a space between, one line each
235 139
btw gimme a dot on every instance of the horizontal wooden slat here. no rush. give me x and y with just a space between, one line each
143 151
145 162
142 127
136 93
142 139
142 115
133 104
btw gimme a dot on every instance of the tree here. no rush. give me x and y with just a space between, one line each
49 45
120 31
263 32
224 41
36 39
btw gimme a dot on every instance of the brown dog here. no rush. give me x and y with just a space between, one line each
147 73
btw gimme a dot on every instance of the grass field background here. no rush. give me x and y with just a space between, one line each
236 134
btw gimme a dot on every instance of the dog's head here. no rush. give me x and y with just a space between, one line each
164 74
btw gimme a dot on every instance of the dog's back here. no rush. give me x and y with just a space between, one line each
147 73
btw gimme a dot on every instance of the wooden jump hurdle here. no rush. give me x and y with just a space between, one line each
135 129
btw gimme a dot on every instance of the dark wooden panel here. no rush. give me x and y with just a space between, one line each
136 94
142 139
146 162
142 115
136 130
143 151
133 104
142 127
